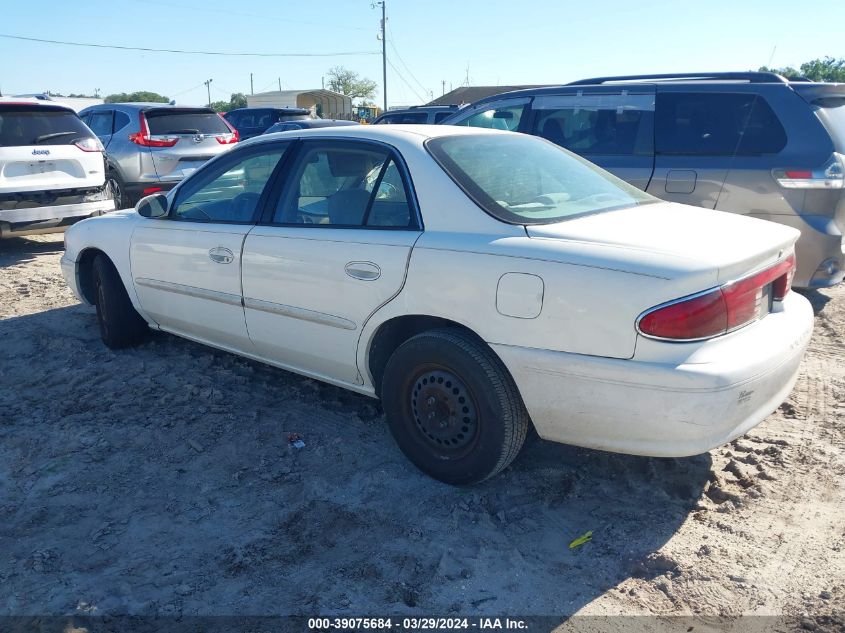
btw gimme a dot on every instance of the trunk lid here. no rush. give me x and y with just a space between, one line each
195 130
698 248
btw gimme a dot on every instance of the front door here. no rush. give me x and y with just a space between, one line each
334 250
186 267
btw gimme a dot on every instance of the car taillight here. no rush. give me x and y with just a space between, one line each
231 137
145 139
831 175
720 310
90 145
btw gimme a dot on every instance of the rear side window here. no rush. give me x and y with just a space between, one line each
716 124
121 120
39 125
101 122
441 115
597 124
173 121
405 117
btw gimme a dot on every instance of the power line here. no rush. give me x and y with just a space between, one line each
185 52
398 74
399 57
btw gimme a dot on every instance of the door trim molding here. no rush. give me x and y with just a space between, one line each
190 291
302 314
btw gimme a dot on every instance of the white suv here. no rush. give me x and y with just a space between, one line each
52 171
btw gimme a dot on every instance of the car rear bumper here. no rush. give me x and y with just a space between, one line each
49 218
726 387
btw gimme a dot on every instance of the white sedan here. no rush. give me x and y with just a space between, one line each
476 281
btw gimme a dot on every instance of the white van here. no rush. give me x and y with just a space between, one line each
52 170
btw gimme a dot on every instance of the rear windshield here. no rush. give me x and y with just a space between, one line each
831 112
173 121
39 125
523 179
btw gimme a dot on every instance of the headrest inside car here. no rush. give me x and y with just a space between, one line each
346 164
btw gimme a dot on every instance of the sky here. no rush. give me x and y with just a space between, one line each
430 45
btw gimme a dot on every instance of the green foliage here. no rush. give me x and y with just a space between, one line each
348 82
237 100
828 69
140 96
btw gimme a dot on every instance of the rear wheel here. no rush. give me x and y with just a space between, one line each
120 324
452 407
118 190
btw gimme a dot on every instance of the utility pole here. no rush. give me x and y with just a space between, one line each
251 89
382 4
208 88
443 84
280 84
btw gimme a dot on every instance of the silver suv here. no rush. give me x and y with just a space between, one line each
52 172
750 143
152 146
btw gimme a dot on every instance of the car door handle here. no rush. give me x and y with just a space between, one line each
365 271
221 255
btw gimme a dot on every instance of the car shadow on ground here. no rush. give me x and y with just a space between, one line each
17 250
163 481
816 299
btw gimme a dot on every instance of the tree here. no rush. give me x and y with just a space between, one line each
237 100
143 96
348 82
827 69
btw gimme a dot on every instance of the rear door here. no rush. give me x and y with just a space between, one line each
609 126
46 148
333 251
185 139
697 134
187 267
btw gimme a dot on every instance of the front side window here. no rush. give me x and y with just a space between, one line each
505 116
597 124
230 193
345 184
522 179
716 124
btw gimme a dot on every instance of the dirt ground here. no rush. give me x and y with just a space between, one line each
160 481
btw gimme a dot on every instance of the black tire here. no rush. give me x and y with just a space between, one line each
452 407
118 188
120 325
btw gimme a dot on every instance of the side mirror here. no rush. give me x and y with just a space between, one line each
152 206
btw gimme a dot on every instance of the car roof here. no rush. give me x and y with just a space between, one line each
35 103
282 108
384 133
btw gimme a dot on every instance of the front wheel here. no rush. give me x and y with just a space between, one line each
120 324
452 407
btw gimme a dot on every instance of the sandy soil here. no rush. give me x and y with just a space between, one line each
160 480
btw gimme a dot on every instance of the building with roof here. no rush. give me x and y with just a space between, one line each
323 103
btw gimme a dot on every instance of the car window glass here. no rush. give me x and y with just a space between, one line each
501 117
716 124
522 179
441 115
597 124
101 123
232 194
22 124
339 185
121 120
